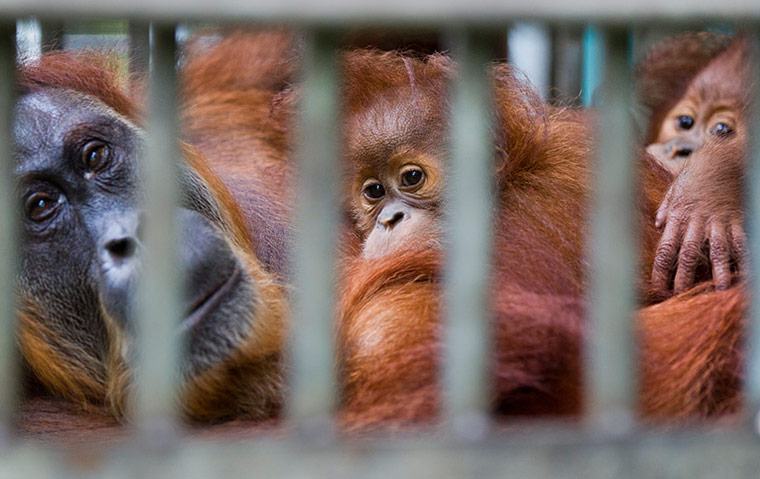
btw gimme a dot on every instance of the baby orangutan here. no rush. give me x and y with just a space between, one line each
701 212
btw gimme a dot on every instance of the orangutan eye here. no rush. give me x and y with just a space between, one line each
94 155
722 129
412 177
374 191
685 122
41 206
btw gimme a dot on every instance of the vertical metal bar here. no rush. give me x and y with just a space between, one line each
8 228
159 296
139 46
28 39
312 382
752 367
469 237
613 248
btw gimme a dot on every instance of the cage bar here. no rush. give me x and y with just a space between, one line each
392 12
469 217
8 228
610 365
312 379
752 368
159 300
551 453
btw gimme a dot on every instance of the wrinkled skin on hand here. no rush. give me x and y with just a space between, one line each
702 219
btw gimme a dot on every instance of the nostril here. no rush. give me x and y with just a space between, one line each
393 220
683 152
121 248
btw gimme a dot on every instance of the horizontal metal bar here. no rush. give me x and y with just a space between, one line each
469 235
8 228
159 299
554 453
610 365
391 11
313 381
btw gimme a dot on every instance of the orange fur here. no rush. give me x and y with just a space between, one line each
227 114
692 354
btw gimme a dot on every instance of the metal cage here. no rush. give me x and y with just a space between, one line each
608 444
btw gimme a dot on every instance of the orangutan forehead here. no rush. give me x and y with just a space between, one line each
392 124
45 119
64 107
725 79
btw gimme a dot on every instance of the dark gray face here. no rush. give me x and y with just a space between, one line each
77 176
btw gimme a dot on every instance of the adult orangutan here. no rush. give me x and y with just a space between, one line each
78 143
